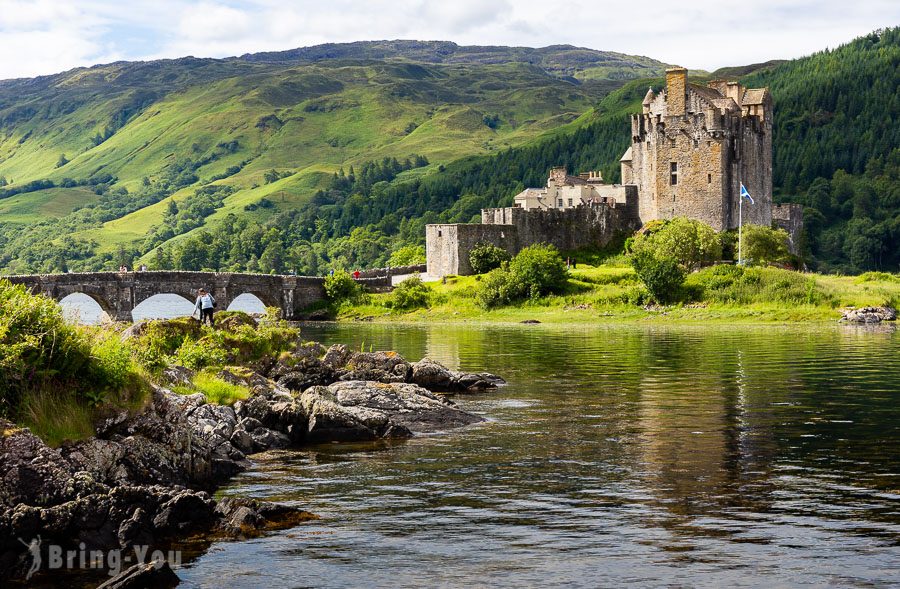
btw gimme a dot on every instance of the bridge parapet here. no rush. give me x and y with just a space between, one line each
118 293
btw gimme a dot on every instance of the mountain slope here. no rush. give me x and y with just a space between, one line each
118 142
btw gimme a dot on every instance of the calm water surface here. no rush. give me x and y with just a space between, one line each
644 456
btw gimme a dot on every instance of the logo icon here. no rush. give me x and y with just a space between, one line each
34 547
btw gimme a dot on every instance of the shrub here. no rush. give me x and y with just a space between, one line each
412 293
498 287
692 243
661 274
408 255
740 285
763 245
540 269
197 354
341 286
485 257
536 271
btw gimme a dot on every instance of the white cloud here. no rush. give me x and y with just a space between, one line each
45 36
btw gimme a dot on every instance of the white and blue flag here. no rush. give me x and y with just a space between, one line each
745 194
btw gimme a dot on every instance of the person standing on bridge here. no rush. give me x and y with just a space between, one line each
205 304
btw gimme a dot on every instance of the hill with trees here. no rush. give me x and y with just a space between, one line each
344 155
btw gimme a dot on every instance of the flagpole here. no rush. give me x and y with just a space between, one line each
740 225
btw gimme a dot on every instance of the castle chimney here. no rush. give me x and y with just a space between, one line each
676 90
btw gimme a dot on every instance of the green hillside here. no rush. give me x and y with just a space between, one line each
95 156
339 155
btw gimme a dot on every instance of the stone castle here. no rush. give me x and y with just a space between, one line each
692 147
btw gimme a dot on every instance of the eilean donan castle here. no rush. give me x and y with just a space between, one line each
692 147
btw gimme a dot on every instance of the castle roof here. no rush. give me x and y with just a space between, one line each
627 157
648 98
754 96
709 94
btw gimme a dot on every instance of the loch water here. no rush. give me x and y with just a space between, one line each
633 455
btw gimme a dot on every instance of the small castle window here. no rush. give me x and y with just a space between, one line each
570 202
559 203
673 177
673 142
439 233
709 178
696 143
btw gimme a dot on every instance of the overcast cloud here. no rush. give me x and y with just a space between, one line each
47 36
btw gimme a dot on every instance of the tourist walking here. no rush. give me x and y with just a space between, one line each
205 304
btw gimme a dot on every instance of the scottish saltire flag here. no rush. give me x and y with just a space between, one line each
745 194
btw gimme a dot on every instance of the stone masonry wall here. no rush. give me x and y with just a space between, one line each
789 217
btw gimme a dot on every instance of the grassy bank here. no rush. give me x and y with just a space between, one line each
612 292
60 380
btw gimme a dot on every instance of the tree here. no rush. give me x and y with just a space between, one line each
484 257
661 274
408 255
61 161
764 245
692 243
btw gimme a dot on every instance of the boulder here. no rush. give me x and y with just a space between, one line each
408 407
32 473
378 366
431 375
870 315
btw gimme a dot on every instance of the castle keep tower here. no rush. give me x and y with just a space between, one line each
693 146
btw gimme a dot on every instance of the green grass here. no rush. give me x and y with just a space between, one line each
611 293
52 203
215 389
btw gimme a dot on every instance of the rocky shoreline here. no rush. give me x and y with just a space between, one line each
145 479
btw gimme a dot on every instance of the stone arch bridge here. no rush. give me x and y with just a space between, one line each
118 293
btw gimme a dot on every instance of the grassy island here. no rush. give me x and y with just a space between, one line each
613 292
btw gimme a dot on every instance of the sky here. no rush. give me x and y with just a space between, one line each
40 37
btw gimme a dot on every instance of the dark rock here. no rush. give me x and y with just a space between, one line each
337 357
178 375
267 439
431 375
32 473
241 516
277 410
150 575
408 407
378 366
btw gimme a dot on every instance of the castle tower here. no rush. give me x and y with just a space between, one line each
693 146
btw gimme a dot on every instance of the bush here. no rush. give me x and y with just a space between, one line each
197 354
536 271
408 255
485 257
662 275
498 287
341 286
412 293
764 246
540 269
692 243
739 285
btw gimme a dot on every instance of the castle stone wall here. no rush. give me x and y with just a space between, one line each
789 217
447 246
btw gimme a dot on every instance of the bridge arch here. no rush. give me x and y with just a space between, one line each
82 308
96 294
163 305
249 303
